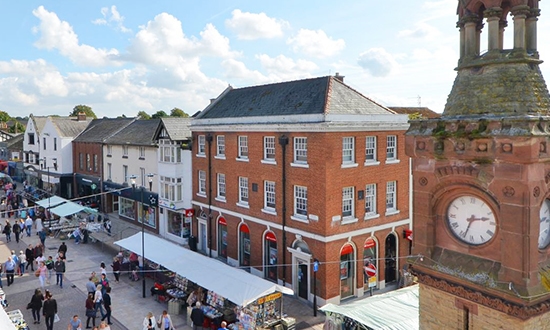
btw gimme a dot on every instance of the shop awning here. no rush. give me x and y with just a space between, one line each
51 202
395 310
5 321
238 286
67 208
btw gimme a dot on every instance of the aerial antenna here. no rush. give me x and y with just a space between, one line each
419 101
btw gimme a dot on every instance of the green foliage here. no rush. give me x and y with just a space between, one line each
416 115
176 112
159 114
4 117
83 108
17 127
144 115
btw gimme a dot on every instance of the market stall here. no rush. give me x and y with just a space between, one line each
255 301
377 312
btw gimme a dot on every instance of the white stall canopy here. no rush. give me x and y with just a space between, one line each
51 201
237 285
395 310
68 208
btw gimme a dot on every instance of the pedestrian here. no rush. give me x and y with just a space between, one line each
16 231
223 326
166 322
29 253
38 252
49 310
9 266
104 283
149 322
42 236
116 268
98 300
104 326
7 231
75 323
28 225
63 249
39 225
59 267
107 305
22 262
90 310
49 265
102 268
197 316
77 234
36 304
3 207
90 286
42 271
15 259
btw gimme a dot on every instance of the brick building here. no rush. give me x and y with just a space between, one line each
288 173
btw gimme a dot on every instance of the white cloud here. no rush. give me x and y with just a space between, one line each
315 44
58 34
422 30
111 15
286 66
250 26
378 62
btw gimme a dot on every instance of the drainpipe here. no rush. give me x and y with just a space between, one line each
283 141
209 139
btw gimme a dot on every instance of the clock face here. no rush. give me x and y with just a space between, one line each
544 229
471 220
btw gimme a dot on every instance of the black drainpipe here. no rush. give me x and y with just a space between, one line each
209 139
283 141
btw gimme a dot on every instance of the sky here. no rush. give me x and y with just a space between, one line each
122 57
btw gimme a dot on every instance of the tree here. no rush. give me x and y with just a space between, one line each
4 117
176 112
143 115
159 114
17 127
83 108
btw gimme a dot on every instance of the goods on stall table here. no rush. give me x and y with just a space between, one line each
215 300
17 318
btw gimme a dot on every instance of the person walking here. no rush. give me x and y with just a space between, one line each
7 231
149 322
16 231
116 268
98 300
42 236
28 225
75 323
107 305
104 283
22 262
42 271
165 321
49 265
90 310
59 267
9 266
223 326
36 304
29 253
15 259
49 310
90 286
63 249
39 225
197 316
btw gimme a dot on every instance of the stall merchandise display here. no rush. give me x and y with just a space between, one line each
17 318
211 312
263 311
215 300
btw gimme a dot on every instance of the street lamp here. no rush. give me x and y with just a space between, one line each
45 164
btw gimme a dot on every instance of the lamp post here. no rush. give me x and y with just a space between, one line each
315 269
49 190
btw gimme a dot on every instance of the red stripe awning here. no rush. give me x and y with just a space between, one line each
222 221
347 249
244 229
270 237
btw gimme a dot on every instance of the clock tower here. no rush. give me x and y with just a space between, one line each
482 181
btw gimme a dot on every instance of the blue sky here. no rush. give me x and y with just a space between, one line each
121 57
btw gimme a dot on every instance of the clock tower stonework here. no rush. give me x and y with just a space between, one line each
482 181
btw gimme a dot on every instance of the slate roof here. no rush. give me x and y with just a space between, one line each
69 126
177 127
139 132
323 95
39 122
101 129
15 142
425 112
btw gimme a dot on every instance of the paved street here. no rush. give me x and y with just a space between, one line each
129 308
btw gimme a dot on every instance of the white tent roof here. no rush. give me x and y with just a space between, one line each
238 286
395 310
51 202
67 209
5 321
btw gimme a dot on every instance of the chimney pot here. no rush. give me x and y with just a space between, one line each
81 116
339 77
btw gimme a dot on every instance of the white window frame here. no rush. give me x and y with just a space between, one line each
300 152
243 192
202 184
370 201
269 197
348 204
171 188
109 150
125 173
391 149
371 157
300 204
141 152
201 146
220 146
269 150
124 151
221 187
243 148
391 197
55 144
109 171
348 152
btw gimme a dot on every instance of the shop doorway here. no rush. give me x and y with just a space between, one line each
202 236
270 256
347 271
391 260
302 279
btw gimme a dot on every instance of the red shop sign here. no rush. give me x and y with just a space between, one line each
189 212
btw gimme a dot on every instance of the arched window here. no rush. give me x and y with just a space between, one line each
222 238
245 248
270 256
347 271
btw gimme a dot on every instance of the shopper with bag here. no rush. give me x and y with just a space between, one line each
49 310
90 310
165 322
197 316
35 305
149 322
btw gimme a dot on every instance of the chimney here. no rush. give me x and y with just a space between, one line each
212 101
339 77
81 116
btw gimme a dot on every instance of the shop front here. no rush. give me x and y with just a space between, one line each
127 202
370 267
88 188
177 222
245 301
347 271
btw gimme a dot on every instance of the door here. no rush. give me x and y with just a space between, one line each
391 261
202 237
302 279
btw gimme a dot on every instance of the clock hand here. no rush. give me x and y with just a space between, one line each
470 220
